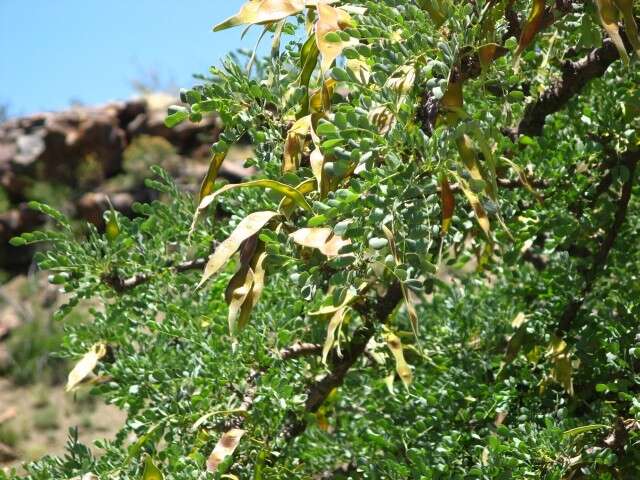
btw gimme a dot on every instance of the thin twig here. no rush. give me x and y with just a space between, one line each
300 349
575 76
121 285
570 313
373 310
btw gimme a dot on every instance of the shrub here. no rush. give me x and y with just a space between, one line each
437 269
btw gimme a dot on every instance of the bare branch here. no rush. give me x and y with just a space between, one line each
121 285
300 349
575 76
296 350
373 311
630 160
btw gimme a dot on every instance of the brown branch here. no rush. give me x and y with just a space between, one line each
570 313
538 261
300 349
575 76
296 350
248 398
121 285
373 310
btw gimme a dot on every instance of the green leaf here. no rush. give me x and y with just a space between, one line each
326 128
17 242
332 143
151 472
332 37
340 74
176 118
378 243
308 61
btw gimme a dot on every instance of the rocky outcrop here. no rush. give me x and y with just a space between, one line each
75 159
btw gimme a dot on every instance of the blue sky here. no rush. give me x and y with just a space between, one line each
53 52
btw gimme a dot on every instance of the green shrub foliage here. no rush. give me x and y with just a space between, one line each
433 275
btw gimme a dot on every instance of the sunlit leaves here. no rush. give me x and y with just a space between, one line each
631 27
237 292
515 341
480 213
368 197
262 11
383 118
402 80
248 227
295 142
609 13
331 21
245 287
322 239
175 117
151 472
225 447
317 161
334 324
469 157
289 192
206 188
349 298
279 187
532 26
320 100
448 203
309 55
561 364
452 102
287 204
112 225
402 368
85 366
489 53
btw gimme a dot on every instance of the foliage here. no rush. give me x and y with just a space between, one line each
446 195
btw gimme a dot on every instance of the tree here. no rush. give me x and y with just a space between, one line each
434 274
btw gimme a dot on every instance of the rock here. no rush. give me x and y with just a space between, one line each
7 453
92 206
79 152
7 152
29 148
12 223
9 320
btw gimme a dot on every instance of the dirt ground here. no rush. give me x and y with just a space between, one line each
35 419
43 416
